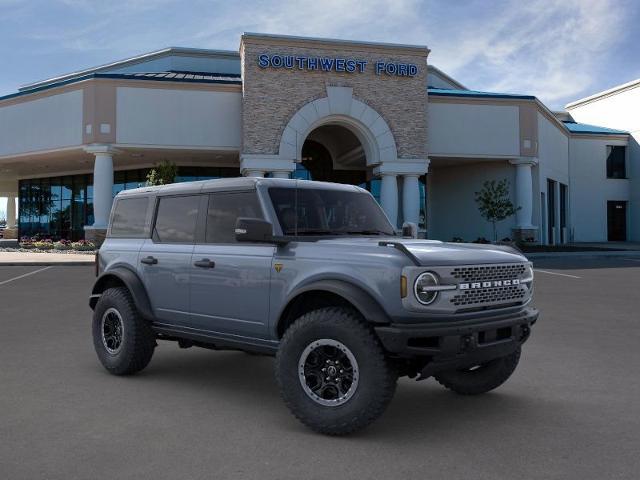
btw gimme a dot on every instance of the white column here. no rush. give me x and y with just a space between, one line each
524 192
389 197
11 211
254 173
102 184
411 198
280 174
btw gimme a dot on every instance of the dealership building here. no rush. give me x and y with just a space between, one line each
371 114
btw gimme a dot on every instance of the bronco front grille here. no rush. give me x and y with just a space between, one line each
488 272
510 294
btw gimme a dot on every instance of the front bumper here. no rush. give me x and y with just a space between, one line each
452 345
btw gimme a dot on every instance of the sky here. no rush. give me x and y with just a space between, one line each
558 50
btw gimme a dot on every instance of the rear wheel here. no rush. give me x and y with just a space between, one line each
123 340
332 372
480 378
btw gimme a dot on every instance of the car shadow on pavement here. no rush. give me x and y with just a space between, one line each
418 410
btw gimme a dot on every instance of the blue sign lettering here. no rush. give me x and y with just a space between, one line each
341 65
327 63
263 61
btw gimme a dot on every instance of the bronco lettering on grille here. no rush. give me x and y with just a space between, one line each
489 284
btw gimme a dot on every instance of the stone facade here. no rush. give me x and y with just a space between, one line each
272 96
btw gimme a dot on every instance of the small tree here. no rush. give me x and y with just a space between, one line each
162 174
494 203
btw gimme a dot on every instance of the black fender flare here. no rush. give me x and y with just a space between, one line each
133 283
368 306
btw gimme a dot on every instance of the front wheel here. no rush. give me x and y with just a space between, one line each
332 372
481 378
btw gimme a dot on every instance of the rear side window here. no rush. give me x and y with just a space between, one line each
224 210
129 216
176 219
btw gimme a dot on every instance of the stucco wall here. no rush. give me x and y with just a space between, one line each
590 189
464 129
451 198
45 123
165 117
620 111
271 96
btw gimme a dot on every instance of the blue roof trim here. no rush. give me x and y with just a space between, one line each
227 79
444 92
575 127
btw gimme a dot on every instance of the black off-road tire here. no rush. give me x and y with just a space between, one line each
138 340
481 379
377 377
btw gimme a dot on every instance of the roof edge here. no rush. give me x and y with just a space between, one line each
336 41
116 76
603 93
446 76
130 61
445 92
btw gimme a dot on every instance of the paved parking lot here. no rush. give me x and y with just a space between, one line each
571 410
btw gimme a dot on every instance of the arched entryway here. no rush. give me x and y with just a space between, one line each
333 153
341 139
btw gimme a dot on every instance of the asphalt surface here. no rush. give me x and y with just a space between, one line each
571 410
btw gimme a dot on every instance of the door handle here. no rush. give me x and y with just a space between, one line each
205 263
149 260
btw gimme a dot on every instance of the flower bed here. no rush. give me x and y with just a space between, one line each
47 245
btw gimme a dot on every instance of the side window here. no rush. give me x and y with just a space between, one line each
176 219
224 210
129 215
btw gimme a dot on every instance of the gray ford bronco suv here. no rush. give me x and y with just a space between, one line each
314 274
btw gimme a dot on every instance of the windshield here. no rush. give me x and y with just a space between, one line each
307 211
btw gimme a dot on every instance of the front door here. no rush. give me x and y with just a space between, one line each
230 281
617 221
165 259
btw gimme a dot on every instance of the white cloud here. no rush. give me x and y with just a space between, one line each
554 49
548 48
543 47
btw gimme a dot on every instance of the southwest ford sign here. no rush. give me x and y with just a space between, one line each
335 64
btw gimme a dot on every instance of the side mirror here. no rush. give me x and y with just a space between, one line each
253 230
409 229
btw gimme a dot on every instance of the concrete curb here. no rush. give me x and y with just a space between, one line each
599 254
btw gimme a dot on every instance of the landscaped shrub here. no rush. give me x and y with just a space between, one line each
25 242
62 245
83 245
43 244
481 240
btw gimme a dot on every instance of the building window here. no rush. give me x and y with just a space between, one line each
60 207
616 161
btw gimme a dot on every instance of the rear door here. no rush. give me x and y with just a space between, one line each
230 280
165 258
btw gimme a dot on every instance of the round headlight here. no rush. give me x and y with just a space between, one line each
422 288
